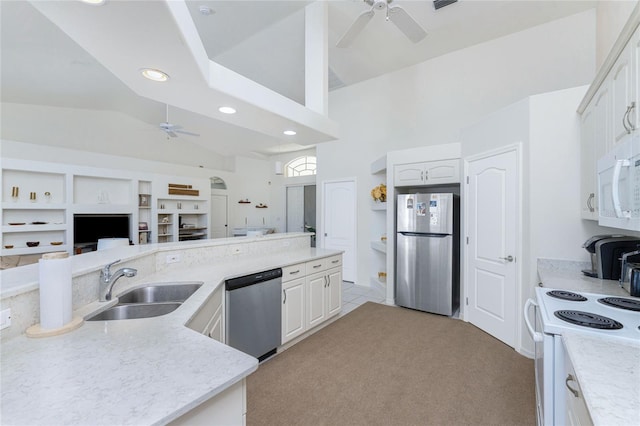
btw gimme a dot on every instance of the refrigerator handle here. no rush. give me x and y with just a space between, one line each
423 234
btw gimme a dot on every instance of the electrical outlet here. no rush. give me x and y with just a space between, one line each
174 258
5 319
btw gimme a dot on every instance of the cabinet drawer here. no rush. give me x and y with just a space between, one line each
334 261
317 265
292 272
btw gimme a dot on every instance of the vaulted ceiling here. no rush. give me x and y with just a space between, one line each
67 65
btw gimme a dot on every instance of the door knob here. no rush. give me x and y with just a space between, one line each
508 258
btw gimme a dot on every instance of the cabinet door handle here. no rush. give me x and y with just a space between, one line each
335 261
317 266
570 378
294 272
422 175
628 115
284 292
624 121
326 281
589 205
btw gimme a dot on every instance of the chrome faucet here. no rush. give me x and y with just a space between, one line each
107 279
625 265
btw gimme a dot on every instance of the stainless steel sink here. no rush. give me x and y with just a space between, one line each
160 293
152 300
134 311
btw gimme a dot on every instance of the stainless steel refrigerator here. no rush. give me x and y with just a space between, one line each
427 252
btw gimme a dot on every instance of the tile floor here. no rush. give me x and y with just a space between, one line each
354 296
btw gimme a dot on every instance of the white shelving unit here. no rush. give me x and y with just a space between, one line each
378 228
182 218
34 209
39 201
144 212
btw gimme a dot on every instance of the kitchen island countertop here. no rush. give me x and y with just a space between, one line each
139 371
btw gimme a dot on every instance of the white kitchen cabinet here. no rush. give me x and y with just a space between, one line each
621 94
312 293
316 299
427 173
209 320
334 292
577 413
226 408
588 183
609 113
596 137
293 309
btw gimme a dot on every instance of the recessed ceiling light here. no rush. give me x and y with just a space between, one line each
227 110
155 75
94 2
289 132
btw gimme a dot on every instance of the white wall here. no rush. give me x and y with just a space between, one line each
429 104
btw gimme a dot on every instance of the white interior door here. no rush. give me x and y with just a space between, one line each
339 222
493 213
295 208
219 216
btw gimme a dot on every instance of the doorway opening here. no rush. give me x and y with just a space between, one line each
301 209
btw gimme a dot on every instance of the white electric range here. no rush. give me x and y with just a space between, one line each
559 311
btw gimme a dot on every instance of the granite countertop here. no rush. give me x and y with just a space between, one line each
143 371
609 375
567 275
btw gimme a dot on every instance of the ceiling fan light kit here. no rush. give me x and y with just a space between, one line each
172 130
396 14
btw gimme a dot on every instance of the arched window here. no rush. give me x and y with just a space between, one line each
301 166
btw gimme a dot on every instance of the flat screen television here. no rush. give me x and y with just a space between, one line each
89 228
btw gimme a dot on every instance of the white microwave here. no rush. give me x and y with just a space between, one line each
619 186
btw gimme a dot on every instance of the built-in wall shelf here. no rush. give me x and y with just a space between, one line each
33 228
379 246
33 206
378 206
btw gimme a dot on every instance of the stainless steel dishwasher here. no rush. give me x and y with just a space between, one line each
254 313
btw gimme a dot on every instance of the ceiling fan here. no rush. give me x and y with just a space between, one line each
172 129
395 14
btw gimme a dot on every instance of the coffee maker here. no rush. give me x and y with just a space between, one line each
606 253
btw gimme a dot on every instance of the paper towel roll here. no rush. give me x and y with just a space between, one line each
55 290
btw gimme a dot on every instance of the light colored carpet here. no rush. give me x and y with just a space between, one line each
382 365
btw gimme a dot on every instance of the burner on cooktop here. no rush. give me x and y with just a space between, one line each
567 295
587 319
619 302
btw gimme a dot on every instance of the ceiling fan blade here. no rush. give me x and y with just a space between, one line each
358 25
171 133
184 132
406 24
